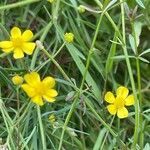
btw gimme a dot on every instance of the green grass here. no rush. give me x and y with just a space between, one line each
111 48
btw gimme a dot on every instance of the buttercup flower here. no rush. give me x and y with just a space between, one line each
39 90
69 37
19 43
17 80
118 103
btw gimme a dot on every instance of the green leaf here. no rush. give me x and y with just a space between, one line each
132 43
145 52
140 3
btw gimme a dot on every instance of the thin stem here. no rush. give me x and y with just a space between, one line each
58 51
41 128
47 28
18 4
82 83
131 78
101 148
18 115
104 123
57 65
139 84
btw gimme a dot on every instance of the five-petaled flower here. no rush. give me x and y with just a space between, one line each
19 43
118 103
39 90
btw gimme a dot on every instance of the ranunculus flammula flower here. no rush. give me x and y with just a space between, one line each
19 43
39 90
118 103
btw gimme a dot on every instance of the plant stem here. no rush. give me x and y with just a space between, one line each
34 58
104 123
139 84
18 4
131 78
57 65
41 128
82 83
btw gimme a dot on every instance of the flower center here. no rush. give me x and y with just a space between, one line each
119 102
40 89
17 42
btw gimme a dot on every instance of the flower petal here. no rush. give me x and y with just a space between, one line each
49 82
15 32
122 92
51 93
28 47
32 78
112 109
49 99
109 97
122 112
37 100
129 100
6 44
18 53
29 90
7 50
27 35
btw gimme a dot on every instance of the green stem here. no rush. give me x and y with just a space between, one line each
131 78
58 51
82 83
91 52
57 65
18 4
104 123
139 84
68 119
102 145
47 28
41 128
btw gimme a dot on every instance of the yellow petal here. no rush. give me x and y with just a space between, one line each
112 109
15 32
109 97
129 100
6 44
29 90
51 93
32 78
27 35
28 47
49 82
37 100
49 99
122 112
122 92
7 50
18 53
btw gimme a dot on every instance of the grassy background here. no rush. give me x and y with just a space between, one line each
80 108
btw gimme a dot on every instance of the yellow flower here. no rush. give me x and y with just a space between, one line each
69 37
17 80
118 103
19 43
39 90
52 118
